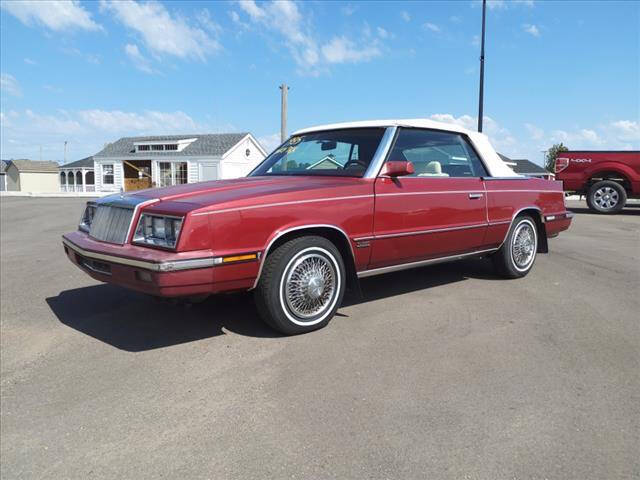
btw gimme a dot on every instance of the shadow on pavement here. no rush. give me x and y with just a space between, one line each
134 322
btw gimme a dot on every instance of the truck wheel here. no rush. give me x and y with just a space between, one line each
518 252
606 197
301 286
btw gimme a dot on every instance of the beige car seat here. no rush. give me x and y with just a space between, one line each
433 169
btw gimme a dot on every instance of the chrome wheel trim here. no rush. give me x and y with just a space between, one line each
312 272
606 198
524 244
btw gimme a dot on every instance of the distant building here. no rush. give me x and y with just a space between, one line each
528 168
133 163
3 175
31 176
78 176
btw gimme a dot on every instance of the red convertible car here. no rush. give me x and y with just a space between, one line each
331 205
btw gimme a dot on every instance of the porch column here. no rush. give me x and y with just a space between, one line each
84 181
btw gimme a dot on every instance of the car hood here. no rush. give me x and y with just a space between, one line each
248 191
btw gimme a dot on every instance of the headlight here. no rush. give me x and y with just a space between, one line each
87 217
158 230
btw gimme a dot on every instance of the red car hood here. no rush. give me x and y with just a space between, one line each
251 191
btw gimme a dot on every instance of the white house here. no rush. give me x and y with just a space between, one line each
78 176
132 163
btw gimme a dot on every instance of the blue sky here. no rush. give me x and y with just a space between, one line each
91 72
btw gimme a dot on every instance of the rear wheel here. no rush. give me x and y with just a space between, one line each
606 196
518 252
301 286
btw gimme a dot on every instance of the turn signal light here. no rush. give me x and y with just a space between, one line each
239 258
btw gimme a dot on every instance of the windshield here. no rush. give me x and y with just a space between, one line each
345 153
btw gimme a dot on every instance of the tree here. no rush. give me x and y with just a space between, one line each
552 153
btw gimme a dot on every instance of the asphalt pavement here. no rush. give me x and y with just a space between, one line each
443 372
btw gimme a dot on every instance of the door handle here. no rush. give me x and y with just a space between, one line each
476 195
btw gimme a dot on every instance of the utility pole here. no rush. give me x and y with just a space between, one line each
283 113
481 100
65 151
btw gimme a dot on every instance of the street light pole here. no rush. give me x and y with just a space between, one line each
481 100
283 112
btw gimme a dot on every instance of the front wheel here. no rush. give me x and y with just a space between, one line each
518 252
301 286
606 197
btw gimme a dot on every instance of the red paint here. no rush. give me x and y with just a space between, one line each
576 169
244 215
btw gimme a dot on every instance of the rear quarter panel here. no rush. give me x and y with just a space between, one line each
506 198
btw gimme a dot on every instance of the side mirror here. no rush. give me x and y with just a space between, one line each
397 169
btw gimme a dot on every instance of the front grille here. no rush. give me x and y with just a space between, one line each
111 224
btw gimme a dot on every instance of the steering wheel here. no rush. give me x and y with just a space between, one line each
355 162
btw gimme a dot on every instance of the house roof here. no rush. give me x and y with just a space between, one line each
83 163
523 166
24 165
215 144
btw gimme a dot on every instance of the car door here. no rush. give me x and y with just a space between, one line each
437 211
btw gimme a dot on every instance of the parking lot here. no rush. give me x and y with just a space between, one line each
440 372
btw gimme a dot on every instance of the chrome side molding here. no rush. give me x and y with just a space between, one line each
421 263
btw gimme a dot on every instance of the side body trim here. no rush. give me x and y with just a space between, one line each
421 263
280 204
422 232
293 229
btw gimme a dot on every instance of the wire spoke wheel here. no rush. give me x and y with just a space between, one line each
310 285
524 245
606 198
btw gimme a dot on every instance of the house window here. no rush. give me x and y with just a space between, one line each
107 174
180 173
144 148
165 174
157 147
173 146
172 173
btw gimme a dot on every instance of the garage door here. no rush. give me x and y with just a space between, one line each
209 172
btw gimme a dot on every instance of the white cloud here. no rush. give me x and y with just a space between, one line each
343 50
9 84
57 15
455 19
475 41
85 130
536 132
382 33
88 57
502 4
405 16
270 142
162 33
52 88
28 61
531 29
431 26
310 54
349 10
626 130
139 61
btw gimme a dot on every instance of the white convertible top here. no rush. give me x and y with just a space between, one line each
497 168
